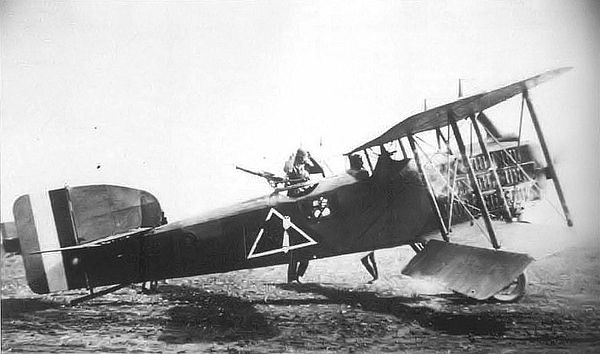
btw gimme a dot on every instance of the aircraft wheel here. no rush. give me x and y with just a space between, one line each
513 291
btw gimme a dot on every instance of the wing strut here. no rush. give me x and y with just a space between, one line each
542 140
402 148
492 164
369 160
472 179
434 204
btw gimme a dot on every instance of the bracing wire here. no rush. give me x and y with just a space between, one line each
462 203
534 183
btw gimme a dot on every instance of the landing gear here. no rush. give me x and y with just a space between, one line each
368 262
296 269
417 247
513 291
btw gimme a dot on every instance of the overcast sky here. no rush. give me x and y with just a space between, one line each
167 96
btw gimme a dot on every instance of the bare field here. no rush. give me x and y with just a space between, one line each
333 310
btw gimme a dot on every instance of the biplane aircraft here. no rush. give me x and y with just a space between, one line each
107 237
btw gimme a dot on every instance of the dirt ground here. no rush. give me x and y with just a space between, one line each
333 310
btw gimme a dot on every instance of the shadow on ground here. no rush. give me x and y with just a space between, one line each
408 309
298 317
15 307
205 316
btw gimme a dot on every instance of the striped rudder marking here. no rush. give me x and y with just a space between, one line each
48 239
44 222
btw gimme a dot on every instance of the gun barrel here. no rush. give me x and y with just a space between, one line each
267 175
249 171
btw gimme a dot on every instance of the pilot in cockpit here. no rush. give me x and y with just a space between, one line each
300 166
298 169
357 168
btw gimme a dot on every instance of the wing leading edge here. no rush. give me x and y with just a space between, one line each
463 108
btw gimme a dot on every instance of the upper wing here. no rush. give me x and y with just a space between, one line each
101 241
463 108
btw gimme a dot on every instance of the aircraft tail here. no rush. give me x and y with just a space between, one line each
70 216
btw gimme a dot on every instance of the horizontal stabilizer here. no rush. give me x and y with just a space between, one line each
99 242
475 272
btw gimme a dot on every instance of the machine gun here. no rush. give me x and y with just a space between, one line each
274 181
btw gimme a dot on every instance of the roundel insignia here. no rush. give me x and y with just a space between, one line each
279 228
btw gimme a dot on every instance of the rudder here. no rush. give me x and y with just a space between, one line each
69 216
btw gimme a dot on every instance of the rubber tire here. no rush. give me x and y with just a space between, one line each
516 294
